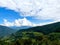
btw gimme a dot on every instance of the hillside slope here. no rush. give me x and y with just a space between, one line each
46 29
4 31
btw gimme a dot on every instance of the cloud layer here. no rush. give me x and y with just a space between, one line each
39 9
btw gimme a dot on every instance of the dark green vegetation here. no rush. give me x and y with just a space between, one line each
31 38
46 29
41 35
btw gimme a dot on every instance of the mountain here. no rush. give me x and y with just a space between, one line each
46 29
21 27
40 35
4 31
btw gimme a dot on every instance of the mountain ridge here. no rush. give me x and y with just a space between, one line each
54 27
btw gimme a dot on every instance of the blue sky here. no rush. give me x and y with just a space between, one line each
36 12
8 14
11 15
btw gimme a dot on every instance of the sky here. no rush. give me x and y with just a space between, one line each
29 12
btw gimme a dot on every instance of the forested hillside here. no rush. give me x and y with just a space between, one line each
4 31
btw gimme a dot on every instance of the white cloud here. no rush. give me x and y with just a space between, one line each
18 22
6 23
23 22
40 9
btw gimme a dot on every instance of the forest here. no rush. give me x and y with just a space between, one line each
31 38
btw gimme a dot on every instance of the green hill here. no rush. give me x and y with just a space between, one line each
46 29
4 31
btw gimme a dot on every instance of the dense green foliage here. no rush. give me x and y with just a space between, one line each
31 38
41 35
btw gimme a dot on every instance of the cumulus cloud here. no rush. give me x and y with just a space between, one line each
23 22
40 9
18 22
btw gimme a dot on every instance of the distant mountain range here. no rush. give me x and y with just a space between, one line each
21 27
